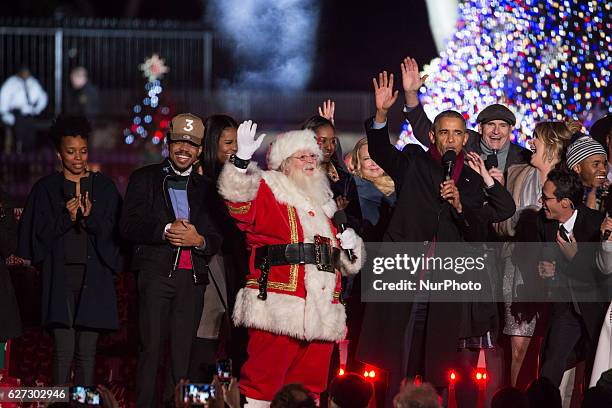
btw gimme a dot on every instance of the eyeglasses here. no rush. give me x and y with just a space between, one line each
545 199
306 158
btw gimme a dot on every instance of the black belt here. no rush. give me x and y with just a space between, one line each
323 256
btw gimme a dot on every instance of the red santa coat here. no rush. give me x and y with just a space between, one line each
302 301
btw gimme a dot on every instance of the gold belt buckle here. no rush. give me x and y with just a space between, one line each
319 241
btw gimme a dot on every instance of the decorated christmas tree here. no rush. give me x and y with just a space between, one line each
545 60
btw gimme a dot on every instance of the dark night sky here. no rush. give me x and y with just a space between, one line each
354 41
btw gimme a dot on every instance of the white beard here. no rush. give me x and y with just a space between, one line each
315 187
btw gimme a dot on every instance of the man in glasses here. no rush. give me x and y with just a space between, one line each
291 303
579 311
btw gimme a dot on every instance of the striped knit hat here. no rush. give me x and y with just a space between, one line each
581 149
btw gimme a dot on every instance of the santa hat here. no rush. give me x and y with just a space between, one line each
286 144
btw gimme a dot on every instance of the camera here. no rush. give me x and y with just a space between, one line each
197 394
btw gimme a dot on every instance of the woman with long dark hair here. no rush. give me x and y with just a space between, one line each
341 181
68 230
219 144
227 267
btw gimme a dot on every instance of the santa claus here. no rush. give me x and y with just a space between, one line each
291 302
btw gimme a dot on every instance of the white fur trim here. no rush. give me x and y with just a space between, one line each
313 318
255 403
279 313
290 142
323 320
285 191
239 187
349 268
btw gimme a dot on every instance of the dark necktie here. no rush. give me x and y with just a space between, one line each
563 233
27 94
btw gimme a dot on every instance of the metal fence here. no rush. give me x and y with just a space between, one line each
111 55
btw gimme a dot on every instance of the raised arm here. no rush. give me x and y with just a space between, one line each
413 112
240 179
377 131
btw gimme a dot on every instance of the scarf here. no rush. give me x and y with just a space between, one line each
457 168
502 154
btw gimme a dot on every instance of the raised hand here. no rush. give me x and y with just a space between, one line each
247 142
384 95
328 110
411 81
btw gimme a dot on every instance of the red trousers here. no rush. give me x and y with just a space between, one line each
275 360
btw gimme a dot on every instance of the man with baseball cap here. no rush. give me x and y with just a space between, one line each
588 158
167 216
495 125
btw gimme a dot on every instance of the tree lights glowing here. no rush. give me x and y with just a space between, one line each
545 60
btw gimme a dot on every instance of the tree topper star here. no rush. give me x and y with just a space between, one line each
154 68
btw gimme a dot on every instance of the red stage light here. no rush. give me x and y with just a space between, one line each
372 373
365 373
481 375
453 376
341 372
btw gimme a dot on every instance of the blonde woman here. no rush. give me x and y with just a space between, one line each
525 184
375 189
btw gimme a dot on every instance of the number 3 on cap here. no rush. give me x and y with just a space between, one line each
189 126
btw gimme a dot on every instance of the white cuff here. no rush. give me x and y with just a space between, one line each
166 228
376 125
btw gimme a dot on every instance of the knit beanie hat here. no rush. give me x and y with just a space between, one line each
581 149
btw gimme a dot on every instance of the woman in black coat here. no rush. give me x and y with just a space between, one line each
68 229
216 334
9 309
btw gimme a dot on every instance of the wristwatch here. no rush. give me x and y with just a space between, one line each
238 162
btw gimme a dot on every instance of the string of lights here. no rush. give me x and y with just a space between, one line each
148 122
545 60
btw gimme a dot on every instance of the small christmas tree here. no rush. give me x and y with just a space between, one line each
149 121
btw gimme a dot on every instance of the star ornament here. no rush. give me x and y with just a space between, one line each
154 68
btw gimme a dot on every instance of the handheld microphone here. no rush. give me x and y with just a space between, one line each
448 159
491 160
607 233
340 222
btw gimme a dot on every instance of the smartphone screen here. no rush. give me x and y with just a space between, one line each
93 396
78 394
198 394
85 395
224 370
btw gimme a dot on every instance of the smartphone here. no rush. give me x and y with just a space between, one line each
224 370
198 394
85 395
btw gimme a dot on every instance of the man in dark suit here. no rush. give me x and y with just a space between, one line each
495 125
409 340
167 217
580 315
